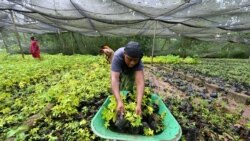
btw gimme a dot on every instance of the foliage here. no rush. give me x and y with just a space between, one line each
28 85
149 123
75 43
170 59
230 70
77 86
199 118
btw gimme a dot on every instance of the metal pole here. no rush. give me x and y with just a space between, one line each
152 55
17 35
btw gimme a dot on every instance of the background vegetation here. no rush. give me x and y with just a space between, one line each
74 43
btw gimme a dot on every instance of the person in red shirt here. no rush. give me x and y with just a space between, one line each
34 48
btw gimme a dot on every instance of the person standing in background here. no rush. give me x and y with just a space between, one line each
34 48
108 52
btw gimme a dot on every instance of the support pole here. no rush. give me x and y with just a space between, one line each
78 45
72 39
61 41
152 55
5 44
16 33
24 36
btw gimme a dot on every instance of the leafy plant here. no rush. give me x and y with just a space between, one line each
149 123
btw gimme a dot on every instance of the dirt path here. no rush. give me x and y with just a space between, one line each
159 86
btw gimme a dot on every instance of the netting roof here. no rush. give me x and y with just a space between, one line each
219 20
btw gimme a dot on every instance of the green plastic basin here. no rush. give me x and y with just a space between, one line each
172 131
